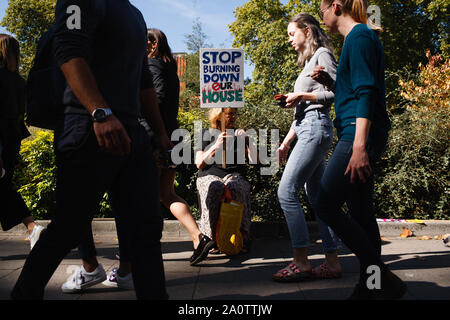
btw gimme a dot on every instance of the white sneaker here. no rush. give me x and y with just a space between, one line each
34 235
81 279
116 281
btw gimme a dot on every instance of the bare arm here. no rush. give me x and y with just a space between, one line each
202 156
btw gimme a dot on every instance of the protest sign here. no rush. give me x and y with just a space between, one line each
221 78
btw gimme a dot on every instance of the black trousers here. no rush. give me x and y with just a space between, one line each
359 229
12 207
84 174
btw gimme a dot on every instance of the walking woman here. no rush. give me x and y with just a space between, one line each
163 68
13 210
314 130
362 126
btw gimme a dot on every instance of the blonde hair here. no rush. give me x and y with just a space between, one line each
215 117
357 9
314 41
9 52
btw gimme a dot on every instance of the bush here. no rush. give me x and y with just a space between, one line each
35 175
414 175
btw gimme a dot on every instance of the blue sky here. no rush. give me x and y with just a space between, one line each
175 18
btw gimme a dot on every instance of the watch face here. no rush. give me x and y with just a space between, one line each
99 115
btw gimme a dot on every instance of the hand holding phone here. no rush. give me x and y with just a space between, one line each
280 100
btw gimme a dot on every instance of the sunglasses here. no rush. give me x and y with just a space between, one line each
322 12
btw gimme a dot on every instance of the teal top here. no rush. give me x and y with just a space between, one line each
360 87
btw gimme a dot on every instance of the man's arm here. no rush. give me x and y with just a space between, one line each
111 135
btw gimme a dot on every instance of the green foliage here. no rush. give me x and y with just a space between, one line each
410 27
35 176
185 180
27 20
196 40
413 179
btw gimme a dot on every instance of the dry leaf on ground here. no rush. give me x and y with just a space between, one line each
424 238
406 233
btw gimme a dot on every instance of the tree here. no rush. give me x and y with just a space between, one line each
196 40
410 28
27 20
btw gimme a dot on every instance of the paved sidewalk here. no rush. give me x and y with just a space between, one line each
423 264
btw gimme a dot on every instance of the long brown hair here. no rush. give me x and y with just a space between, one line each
316 40
163 50
9 52
357 9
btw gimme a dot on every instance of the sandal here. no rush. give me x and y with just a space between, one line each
322 272
291 273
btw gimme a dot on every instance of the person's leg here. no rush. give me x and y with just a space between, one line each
314 138
14 210
81 183
211 190
124 238
135 197
87 251
330 242
177 205
335 189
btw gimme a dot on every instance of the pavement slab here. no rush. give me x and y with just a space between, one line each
423 264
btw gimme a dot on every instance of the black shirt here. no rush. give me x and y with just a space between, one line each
216 168
12 107
113 40
167 86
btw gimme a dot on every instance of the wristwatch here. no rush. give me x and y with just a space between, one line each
100 114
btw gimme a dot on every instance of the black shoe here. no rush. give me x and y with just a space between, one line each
392 287
202 250
361 293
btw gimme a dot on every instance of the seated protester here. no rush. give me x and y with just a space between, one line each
212 177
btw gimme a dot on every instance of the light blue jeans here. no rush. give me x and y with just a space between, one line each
305 167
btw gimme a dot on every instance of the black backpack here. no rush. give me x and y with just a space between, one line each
45 86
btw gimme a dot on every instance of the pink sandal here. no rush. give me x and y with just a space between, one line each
291 273
322 272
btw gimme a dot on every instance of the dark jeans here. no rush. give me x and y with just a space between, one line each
84 174
86 249
359 229
12 207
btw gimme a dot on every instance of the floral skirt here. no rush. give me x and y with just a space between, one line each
211 189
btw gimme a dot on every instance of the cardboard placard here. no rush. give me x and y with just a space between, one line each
221 78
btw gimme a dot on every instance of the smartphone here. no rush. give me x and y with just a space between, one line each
280 100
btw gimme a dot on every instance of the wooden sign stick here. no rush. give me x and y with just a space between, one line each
224 164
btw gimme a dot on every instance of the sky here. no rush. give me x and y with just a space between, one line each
176 17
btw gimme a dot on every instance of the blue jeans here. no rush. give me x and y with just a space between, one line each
358 230
305 167
84 174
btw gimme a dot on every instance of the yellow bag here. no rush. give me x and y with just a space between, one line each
228 234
